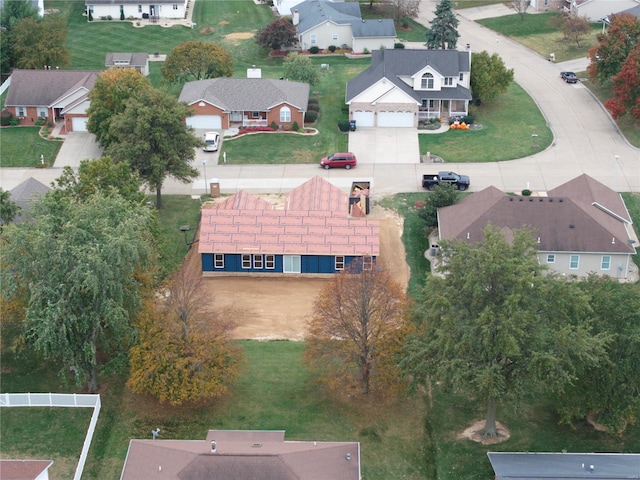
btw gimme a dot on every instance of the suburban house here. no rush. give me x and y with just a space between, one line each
311 233
139 61
635 11
321 24
51 95
152 9
580 227
546 5
221 103
402 87
24 194
612 466
241 455
25 469
596 10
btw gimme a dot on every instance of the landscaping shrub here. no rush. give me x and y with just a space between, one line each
313 108
343 125
121 16
256 129
526 192
5 118
313 101
332 48
39 122
314 50
468 119
366 51
345 109
14 121
90 16
295 127
398 45
273 125
312 116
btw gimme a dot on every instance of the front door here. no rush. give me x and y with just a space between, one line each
152 10
445 106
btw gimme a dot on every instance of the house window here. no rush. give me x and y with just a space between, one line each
574 262
314 39
285 114
427 81
367 263
218 260
175 6
257 261
461 77
42 112
21 111
605 263
246 260
270 262
427 103
448 81
139 8
255 114
551 258
340 262
291 263
334 37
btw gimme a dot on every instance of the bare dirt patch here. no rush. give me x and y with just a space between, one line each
239 36
207 30
474 433
279 308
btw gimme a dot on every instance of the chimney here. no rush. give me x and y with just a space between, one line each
296 17
213 446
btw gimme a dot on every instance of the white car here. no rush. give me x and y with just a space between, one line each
211 141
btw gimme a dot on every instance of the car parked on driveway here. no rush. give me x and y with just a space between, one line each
569 77
211 142
346 160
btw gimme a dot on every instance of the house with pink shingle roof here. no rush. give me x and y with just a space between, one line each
311 234
25 469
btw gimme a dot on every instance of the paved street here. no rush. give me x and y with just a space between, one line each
586 139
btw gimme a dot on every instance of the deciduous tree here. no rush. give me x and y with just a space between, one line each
495 326
185 353
197 61
612 387
153 139
443 195
405 9
113 90
575 27
489 76
5 57
78 264
520 6
444 28
614 46
15 10
299 68
626 87
35 43
358 324
277 34
8 209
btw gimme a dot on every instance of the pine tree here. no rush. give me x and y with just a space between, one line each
444 28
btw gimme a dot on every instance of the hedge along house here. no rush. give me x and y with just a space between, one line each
310 234
222 103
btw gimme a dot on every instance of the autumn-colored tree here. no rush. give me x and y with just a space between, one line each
185 353
575 27
489 76
197 61
358 326
626 87
36 43
614 46
279 33
109 97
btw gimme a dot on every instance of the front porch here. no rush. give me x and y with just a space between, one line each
248 119
442 109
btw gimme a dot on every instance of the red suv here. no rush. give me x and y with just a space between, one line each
346 160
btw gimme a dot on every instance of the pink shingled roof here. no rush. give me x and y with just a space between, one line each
242 224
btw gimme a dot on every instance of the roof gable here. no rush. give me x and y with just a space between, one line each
316 12
46 87
23 469
137 59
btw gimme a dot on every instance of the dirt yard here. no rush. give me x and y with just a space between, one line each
278 308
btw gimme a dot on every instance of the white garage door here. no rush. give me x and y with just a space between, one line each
79 124
395 119
205 122
363 119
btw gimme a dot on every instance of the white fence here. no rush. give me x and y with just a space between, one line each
64 400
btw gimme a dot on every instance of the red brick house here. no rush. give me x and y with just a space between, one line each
51 95
222 103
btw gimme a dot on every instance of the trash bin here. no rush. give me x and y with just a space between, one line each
352 125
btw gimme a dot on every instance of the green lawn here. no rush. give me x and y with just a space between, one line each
508 123
458 4
22 147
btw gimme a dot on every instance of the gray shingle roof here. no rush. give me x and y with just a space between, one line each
44 87
397 63
382 27
25 193
137 59
243 94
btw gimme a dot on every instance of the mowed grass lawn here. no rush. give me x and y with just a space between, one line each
22 147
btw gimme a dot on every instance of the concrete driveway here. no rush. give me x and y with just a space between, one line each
76 147
385 145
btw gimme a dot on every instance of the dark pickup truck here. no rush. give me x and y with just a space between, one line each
461 182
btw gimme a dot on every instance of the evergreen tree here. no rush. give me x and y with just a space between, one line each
444 28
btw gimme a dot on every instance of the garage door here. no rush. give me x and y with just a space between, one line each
395 119
79 124
205 122
363 119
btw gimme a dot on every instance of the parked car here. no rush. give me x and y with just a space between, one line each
346 160
211 142
569 77
461 182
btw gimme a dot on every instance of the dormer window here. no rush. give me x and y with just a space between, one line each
427 81
448 81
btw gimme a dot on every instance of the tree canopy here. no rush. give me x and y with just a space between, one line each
613 47
300 68
36 43
110 95
197 61
153 139
444 28
357 327
277 34
443 195
495 326
15 10
520 6
82 266
8 209
404 9
626 87
489 76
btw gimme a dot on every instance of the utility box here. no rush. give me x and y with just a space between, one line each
214 188
359 199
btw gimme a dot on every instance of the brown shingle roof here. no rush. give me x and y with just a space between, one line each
242 455
45 87
561 222
23 469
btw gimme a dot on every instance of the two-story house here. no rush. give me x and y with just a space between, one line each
402 87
